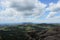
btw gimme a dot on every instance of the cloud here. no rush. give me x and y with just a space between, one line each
54 8
51 14
28 7
28 11
23 5
21 10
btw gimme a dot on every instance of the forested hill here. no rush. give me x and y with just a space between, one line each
12 33
30 32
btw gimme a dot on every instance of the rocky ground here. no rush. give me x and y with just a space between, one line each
53 34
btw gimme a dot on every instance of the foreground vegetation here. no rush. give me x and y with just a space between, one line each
30 32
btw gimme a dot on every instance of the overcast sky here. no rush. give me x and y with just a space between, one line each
36 11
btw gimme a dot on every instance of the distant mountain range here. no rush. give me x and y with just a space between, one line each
29 23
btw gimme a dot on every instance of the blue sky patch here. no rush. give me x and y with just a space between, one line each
49 1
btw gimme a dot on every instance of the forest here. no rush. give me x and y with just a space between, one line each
30 31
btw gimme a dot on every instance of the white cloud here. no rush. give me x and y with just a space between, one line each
28 11
54 8
51 14
28 7
21 10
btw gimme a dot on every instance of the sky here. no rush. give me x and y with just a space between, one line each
35 11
